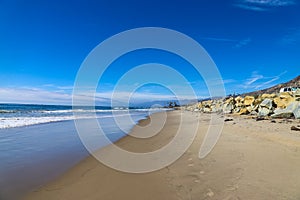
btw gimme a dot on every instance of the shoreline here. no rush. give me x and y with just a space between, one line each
252 160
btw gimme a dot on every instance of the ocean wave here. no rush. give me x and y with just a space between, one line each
13 122
7 111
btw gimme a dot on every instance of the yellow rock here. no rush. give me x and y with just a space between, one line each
249 100
199 105
244 111
284 100
239 99
257 101
239 104
268 96
230 100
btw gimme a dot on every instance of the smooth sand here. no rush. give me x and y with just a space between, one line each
252 160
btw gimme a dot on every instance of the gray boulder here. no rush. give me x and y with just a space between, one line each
267 103
296 111
293 109
262 112
227 108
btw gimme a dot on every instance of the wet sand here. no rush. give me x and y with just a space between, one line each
252 160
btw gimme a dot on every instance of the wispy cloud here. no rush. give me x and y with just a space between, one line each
219 39
259 81
254 77
291 38
263 5
250 7
242 43
236 43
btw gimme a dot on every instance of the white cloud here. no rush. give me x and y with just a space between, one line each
275 3
292 38
263 5
250 7
254 77
219 39
243 43
41 96
236 43
33 95
258 81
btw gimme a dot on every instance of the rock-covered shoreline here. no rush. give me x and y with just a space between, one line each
280 105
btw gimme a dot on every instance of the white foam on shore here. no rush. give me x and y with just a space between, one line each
58 115
26 121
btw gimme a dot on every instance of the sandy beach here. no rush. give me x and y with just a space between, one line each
252 160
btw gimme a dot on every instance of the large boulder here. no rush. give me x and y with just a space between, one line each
244 111
249 100
200 105
227 108
229 100
268 96
296 111
263 111
265 108
293 109
283 100
267 103
206 110
216 107
257 101
239 99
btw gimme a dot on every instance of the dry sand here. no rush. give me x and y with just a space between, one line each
252 160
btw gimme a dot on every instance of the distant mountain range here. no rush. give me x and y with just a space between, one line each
275 89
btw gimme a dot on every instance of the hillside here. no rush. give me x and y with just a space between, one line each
275 89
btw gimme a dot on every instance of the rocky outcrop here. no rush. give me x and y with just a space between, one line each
282 105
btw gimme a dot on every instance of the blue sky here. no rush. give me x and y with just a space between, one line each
254 43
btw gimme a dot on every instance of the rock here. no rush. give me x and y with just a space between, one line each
284 100
216 107
200 105
210 193
267 103
263 111
249 100
227 108
239 99
253 113
237 109
260 118
282 115
294 128
268 96
257 101
206 110
243 111
291 110
239 104
296 111
250 108
229 100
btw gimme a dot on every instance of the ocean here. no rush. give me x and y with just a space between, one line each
40 142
